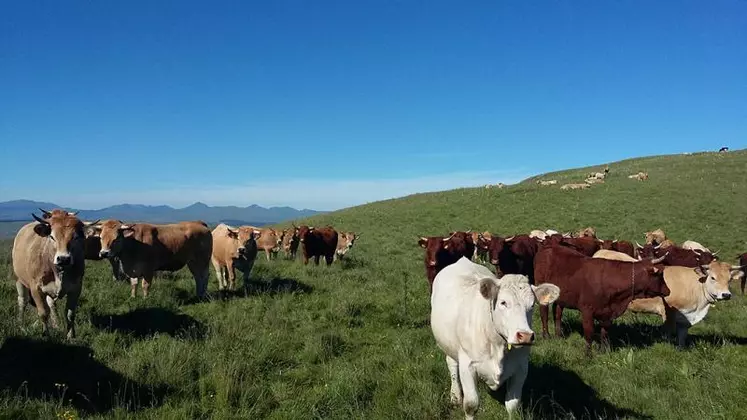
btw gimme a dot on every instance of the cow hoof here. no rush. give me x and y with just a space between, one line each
455 400
546 335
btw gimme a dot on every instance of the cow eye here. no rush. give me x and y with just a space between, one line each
503 303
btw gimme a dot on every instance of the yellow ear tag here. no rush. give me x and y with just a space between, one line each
509 346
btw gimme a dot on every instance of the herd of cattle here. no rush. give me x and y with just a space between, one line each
482 321
49 255
591 179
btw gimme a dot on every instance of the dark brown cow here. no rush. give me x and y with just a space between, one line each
601 289
513 255
584 244
318 242
290 242
743 263
620 246
441 251
675 255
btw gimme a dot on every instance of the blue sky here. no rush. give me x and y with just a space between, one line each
326 104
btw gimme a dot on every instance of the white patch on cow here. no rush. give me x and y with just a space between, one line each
479 321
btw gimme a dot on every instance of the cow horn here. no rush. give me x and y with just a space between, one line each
660 259
716 253
638 245
125 227
74 213
657 246
91 223
510 238
44 212
40 220
737 267
468 232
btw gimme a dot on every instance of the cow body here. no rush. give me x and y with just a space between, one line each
693 290
676 256
318 242
269 241
513 255
233 249
743 262
483 326
48 262
600 289
145 249
692 245
443 251
620 246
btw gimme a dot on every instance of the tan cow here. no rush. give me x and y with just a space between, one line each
594 181
291 241
587 232
345 242
596 175
233 249
692 245
655 237
641 176
575 186
609 254
48 262
692 291
270 241
546 183
144 248
538 234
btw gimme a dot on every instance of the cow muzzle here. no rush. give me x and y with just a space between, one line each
241 250
431 263
724 296
104 253
524 338
63 260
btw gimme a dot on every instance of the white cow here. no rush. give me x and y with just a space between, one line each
694 246
482 324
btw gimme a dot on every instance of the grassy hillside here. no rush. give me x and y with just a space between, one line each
353 341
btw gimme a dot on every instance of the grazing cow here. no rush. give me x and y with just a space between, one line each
546 183
597 175
594 181
442 251
743 263
620 246
48 262
483 326
346 242
318 242
692 291
676 255
233 249
513 255
269 241
575 186
655 237
144 249
694 245
601 289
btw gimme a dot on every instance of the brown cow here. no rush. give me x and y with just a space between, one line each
442 251
676 256
270 241
601 289
345 243
513 255
93 251
318 242
48 262
620 246
144 249
290 242
743 262
233 249
585 244
482 243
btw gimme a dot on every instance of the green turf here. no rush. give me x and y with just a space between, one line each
353 341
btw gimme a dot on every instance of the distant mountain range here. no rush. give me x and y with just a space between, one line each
20 210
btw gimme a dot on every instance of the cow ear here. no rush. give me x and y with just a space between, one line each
546 293
43 229
423 241
489 289
702 273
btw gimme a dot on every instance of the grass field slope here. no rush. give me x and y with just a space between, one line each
353 340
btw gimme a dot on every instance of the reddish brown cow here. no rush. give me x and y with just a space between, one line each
513 255
441 251
601 289
620 246
584 244
318 242
743 263
675 255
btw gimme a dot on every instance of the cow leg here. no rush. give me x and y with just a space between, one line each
201 273
514 387
218 273
145 285
681 335
41 309
544 314
71 304
605 341
231 276
471 400
558 310
744 281
267 254
456 389
316 259
133 286
23 299
52 313
329 258
588 323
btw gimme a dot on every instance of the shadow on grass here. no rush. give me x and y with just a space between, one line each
144 322
257 286
54 372
552 392
350 262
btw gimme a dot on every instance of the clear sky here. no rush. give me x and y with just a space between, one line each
325 104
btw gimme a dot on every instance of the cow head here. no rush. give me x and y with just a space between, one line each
457 241
304 230
655 237
652 284
432 245
716 277
511 301
245 237
113 234
66 233
494 251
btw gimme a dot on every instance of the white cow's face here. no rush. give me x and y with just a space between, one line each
716 277
512 304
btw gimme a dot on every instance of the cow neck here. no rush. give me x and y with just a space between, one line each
632 281
498 336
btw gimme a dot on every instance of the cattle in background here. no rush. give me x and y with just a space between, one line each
483 326
676 256
620 246
585 245
93 251
269 241
513 255
291 241
546 183
318 242
589 232
48 262
655 237
481 240
694 245
345 243
233 249
442 251
538 234
641 176
601 289
692 291
575 186
144 249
